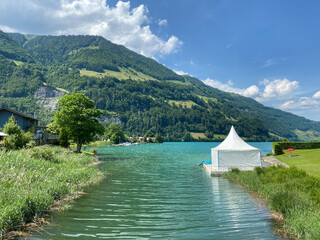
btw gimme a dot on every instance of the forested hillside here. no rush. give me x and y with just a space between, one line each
141 93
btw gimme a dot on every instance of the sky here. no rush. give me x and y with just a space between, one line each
268 50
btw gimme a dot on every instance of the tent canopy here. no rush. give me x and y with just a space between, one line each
233 152
234 143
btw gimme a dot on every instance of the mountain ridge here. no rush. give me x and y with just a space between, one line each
146 92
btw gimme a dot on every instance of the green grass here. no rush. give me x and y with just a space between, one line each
97 144
124 74
206 99
307 135
179 82
31 180
187 104
308 160
220 136
289 191
197 135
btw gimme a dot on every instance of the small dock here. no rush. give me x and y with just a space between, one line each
207 168
267 161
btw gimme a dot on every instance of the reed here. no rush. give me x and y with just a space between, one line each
31 180
289 191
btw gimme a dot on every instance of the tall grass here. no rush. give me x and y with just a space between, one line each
32 179
290 191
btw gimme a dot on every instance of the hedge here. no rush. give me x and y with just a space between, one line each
278 146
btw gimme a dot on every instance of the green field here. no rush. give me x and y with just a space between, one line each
187 104
307 135
308 160
124 74
196 135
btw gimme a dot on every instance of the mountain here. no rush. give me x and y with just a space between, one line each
134 90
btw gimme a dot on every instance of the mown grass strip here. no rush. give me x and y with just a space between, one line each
31 180
307 159
289 191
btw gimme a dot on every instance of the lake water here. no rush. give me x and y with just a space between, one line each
158 191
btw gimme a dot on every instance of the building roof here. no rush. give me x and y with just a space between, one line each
18 113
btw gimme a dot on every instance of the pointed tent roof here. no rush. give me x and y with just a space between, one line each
234 143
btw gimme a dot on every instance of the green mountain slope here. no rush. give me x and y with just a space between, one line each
135 90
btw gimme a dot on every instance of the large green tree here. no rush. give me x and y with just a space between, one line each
78 118
114 133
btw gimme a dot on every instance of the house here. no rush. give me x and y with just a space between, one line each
24 121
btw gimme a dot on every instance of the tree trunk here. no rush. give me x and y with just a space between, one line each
79 145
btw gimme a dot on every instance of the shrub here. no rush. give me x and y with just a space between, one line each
277 150
17 138
94 151
43 153
259 170
235 170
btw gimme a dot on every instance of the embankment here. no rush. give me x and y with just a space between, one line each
290 193
32 180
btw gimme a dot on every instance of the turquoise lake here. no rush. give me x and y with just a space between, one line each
158 191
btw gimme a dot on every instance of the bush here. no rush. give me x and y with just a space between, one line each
43 153
277 150
17 138
94 151
259 170
296 145
235 170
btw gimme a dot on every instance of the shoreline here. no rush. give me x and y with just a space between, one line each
289 195
55 183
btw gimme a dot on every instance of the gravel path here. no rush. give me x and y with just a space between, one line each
273 161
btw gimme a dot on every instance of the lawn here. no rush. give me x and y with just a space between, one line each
308 160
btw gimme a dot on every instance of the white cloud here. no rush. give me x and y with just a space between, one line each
278 89
316 95
180 72
268 63
7 29
120 24
304 103
251 91
163 22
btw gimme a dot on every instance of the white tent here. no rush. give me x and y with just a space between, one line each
233 152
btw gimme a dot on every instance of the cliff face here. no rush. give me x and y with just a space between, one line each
48 92
48 97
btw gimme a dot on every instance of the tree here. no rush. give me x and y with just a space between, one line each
63 139
147 137
77 117
159 138
114 133
17 138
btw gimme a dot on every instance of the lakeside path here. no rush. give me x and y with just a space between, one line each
273 161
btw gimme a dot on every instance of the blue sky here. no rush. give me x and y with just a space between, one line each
268 50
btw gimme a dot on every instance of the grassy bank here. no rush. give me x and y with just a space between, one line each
32 180
289 191
308 160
